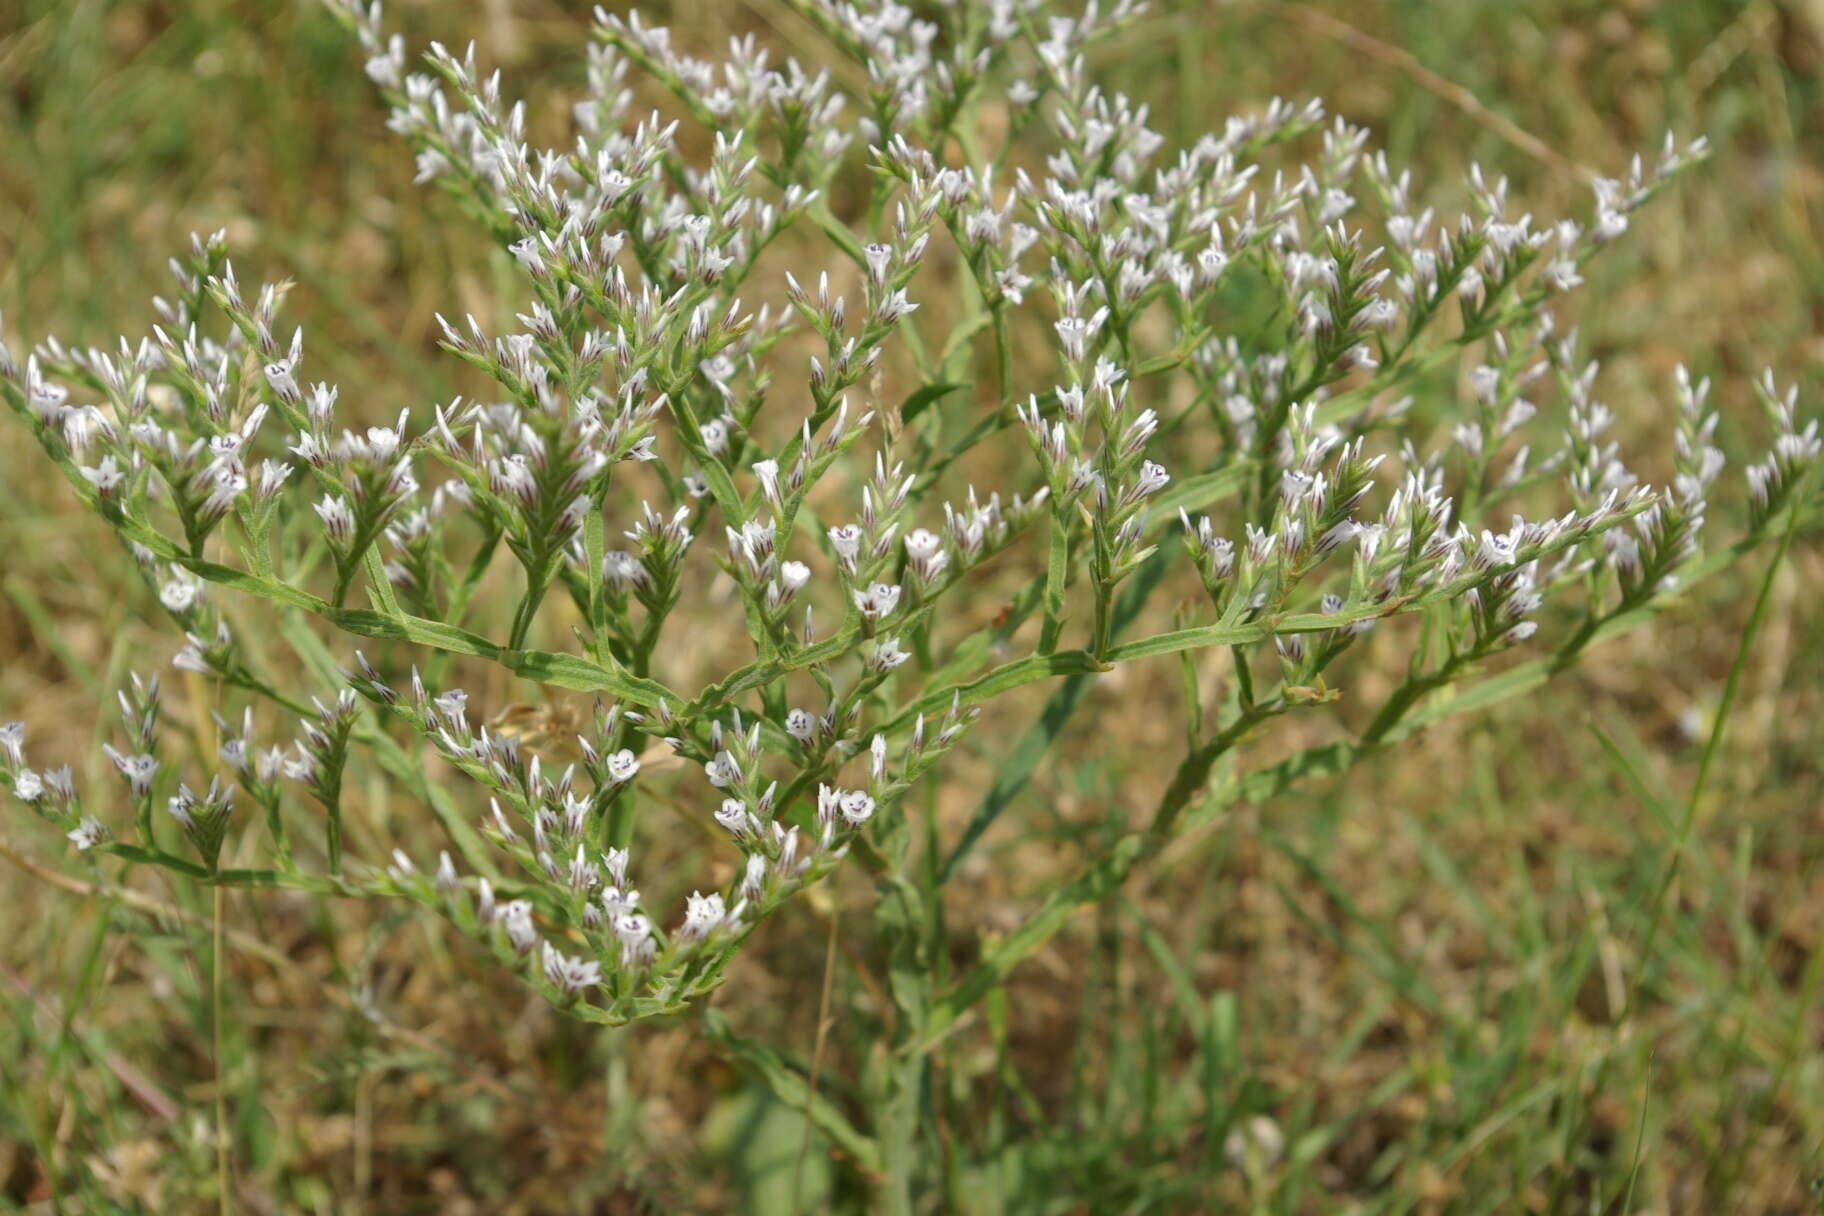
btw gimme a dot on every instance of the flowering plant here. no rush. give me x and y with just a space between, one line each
1331 404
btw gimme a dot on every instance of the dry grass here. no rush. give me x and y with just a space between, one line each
1421 967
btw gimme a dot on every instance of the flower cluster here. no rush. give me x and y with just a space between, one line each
738 415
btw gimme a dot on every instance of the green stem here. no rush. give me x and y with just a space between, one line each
1003 350
536 586
1403 698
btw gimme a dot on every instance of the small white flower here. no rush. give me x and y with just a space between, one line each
635 932
877 602
58 781
888 655
27 785
180 594
401 871
622 569
1520 632
516 918
1153 478
106 477
87 834
801 724
703 915
857 807
1562 275
279 376
138 770
732 814
753 879
81 424
922 544
768 473
570 974
879 257
12 741
338 519
179 805
622 766
846 540
722 770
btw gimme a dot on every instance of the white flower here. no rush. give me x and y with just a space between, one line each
703 915
801 724
922 544
27 785
401 871
621 569
877 602
733 815
180 594
526 252
635 932
570 974
857 807
516 918
1562 275
81 424
138 770
622 766
338 519
879 257
12 741
279 376
722 770
846 540
87 834
179 805
106 477
888 655
57 780
768 473
753 879
1520 632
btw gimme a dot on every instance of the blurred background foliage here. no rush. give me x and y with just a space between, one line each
1397 994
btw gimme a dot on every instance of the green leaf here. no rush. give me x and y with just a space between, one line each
923 398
